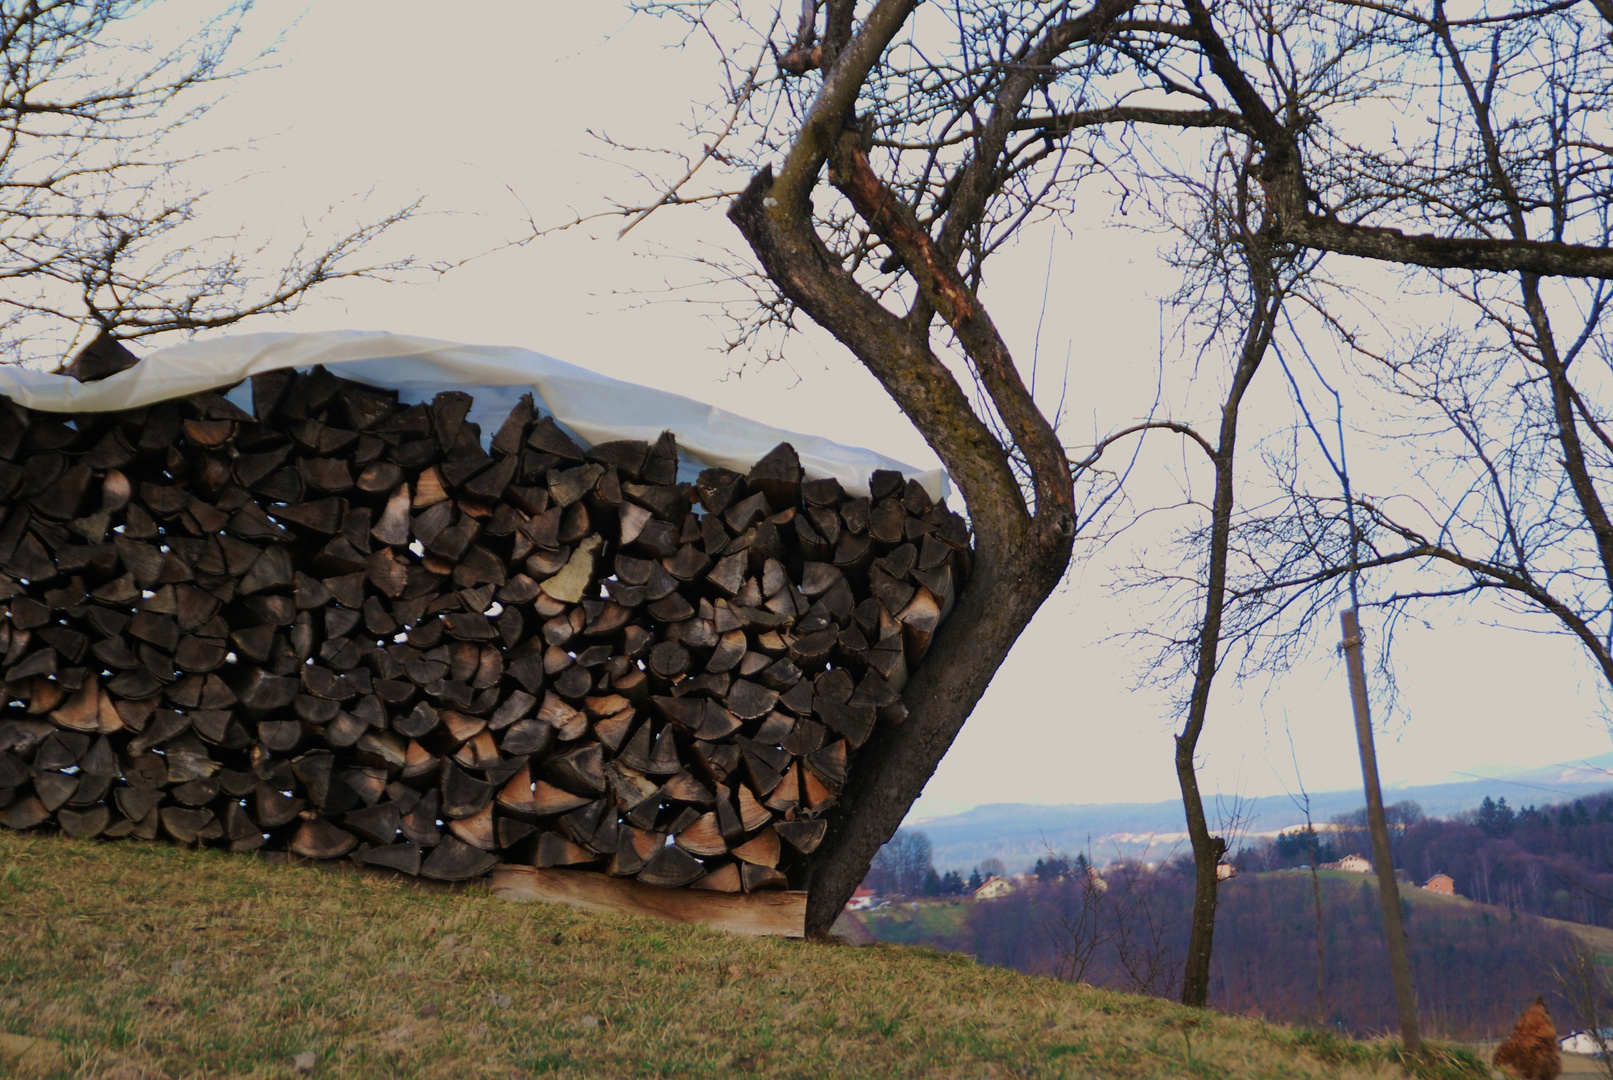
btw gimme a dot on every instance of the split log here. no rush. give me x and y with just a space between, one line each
556 850
803 836
703 837
455 860
760 850
671 867
317 838
724 879
404 858
758 878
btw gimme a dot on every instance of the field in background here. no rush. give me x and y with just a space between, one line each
135 961
936 923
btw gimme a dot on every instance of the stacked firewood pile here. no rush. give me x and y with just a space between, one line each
337 625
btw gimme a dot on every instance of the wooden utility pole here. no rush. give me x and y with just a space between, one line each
1383 861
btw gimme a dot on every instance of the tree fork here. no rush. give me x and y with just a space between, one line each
1019 558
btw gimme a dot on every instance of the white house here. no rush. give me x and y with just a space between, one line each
994 889
1582 1042
861 900
1350 864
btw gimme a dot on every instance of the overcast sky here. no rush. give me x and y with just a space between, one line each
489 119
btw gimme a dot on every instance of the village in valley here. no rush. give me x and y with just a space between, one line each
995 885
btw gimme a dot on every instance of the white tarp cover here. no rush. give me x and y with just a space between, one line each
593 407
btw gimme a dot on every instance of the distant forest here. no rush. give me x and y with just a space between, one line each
1554 860
1476 967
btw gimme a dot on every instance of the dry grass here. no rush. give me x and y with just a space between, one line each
145 961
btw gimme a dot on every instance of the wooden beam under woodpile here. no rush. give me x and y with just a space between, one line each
344 626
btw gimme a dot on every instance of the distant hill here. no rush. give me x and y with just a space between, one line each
1472 962
1021 833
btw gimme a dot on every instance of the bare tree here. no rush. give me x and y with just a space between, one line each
893 154
1523 94
901 864
1140 931
101 230
1502 415
880 185
1235 285
1080 929
1304 802
1583 984
893 149
1501 412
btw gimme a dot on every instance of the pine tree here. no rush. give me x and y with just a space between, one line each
1495 817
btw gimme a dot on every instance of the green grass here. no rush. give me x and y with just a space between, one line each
145 961
933 922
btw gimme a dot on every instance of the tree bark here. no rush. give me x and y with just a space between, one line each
1394 931
1321 934
891 770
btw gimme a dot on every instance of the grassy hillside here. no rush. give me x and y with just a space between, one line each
1599 938
133 961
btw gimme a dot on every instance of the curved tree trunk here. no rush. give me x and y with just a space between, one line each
1024 523
1018 558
